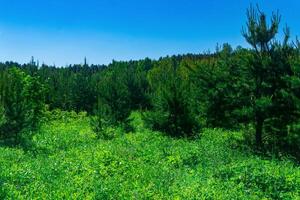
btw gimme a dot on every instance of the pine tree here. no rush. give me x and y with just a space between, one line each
172 100
21 103
271 103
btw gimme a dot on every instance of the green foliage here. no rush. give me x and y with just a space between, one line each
230 89
172 100
63 116
102 128
2 115
121 89
71 87
223 87
67 161
274 103
114 96
262 178
98 139
22 103
136 122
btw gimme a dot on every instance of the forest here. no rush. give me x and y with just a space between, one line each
221 125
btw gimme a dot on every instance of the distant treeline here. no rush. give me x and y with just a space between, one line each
255 89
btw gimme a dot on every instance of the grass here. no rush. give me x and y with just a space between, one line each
67 161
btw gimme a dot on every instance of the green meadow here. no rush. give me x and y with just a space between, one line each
65 159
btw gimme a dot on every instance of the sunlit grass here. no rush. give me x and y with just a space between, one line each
67 161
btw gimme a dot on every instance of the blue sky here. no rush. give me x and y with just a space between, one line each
65 31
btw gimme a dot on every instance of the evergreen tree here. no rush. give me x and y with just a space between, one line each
270 67
21 103
171 100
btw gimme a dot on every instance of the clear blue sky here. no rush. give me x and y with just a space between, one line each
65 31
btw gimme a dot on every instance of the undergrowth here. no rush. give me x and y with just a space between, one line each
69 161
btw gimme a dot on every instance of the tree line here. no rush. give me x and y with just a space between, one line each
255 89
